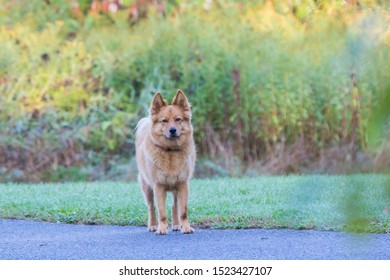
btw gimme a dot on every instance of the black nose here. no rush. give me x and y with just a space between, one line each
172 131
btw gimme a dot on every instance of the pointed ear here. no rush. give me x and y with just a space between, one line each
181 101
157 103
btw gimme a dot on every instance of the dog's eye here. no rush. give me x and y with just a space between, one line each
178 119
164 120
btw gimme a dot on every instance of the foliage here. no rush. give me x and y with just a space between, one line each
281 87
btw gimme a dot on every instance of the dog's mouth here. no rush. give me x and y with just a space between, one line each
172 136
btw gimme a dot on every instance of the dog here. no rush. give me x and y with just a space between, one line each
165 152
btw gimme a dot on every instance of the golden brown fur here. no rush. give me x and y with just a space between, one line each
166 155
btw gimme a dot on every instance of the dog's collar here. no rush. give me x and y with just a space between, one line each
172 150
167 149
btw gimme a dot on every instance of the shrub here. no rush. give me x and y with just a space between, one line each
271 87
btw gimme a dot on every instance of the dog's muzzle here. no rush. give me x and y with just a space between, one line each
173 132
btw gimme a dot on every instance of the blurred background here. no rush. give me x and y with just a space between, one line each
276 87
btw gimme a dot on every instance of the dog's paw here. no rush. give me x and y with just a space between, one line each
176 227
187 229
162 230
152 228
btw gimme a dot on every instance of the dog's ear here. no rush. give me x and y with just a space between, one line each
181 101
157 103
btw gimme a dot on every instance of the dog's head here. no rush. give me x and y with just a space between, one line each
171 123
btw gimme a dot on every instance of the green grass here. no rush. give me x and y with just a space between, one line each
341 203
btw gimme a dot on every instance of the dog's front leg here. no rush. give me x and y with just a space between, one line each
175 213
182 196
161 194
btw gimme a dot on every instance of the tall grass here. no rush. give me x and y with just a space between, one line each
271 86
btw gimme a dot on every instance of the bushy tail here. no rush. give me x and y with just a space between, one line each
143 124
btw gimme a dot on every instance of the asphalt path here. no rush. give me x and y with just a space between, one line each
29 240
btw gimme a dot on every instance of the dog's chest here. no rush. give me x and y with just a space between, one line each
173 167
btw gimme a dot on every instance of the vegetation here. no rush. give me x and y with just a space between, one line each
354 203
275 86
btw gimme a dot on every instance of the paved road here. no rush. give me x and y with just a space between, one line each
35 240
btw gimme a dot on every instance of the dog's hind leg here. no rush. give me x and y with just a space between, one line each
149 199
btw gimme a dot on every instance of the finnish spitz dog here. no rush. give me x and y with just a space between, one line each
166 155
